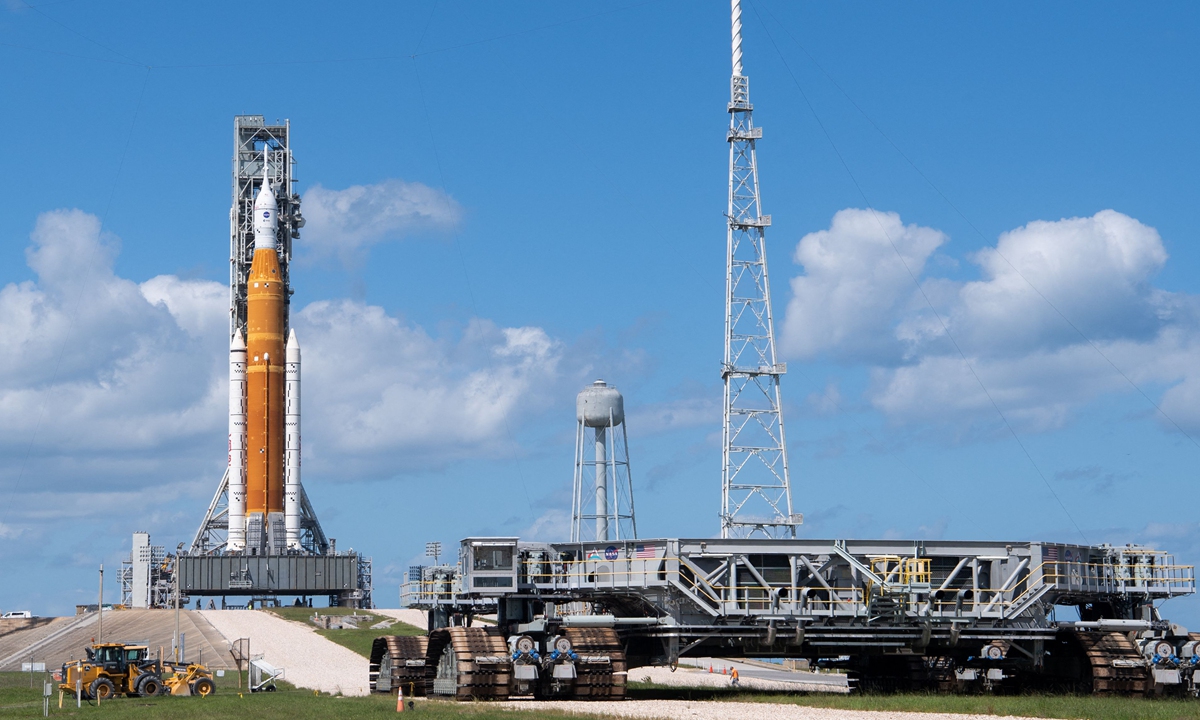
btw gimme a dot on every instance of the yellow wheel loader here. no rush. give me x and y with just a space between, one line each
113 669
190 679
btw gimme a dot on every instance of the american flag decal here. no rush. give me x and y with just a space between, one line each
1050 554
645 551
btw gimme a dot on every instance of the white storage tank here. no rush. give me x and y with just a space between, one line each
599 405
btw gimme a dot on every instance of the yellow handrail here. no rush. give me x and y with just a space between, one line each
628 571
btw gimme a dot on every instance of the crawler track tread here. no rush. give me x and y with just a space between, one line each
1117 666
391 653
475 680
596 681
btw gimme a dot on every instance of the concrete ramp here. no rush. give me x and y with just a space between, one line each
416 618
12 625
65 639
309 660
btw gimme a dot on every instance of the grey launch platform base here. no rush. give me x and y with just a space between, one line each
340 576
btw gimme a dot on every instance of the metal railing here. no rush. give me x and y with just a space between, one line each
909 577
420 592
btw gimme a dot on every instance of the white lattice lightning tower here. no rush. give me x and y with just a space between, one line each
756 495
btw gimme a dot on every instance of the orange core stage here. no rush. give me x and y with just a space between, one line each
265 312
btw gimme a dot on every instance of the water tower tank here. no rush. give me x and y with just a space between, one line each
597 403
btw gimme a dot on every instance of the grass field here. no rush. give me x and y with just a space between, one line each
1040 706
359 640
17 700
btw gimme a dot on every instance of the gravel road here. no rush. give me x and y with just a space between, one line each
310 660
687 677
416 618
693 710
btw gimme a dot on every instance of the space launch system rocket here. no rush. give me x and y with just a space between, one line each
264 403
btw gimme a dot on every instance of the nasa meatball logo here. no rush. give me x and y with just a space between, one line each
266 213
610 553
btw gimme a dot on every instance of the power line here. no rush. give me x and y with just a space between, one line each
71 55
428 22
978 232
947 498
462 261
916 282
85 37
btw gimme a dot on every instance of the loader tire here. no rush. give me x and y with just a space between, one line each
203 687
149 687
102 689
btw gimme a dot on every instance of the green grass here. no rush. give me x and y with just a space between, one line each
17 700
1040 706
302 614
359 640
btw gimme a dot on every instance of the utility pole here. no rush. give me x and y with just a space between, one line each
756 492
175 574
100 608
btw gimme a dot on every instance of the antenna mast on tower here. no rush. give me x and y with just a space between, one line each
756 493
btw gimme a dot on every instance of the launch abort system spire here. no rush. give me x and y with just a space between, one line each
756 494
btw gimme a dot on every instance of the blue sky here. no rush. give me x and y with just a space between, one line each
535 200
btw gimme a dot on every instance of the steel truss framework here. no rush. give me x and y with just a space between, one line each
253 141
817 598
756 496
619 483
252 137
213 532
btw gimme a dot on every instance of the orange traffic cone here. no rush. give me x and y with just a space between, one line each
400 698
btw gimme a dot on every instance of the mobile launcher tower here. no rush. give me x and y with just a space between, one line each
260 536
572 617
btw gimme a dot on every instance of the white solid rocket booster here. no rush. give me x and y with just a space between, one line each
291 431
236 540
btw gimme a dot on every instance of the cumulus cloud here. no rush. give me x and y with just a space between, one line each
388 394
347 222
1011 323
96 368
854 285
1095 270
552 525
113 394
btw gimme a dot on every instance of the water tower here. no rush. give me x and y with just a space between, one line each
602 483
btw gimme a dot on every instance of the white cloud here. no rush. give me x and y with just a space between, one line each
826 402
384 393
95 368
674 415
1097 271
854 285
551 526
113 394
347 222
